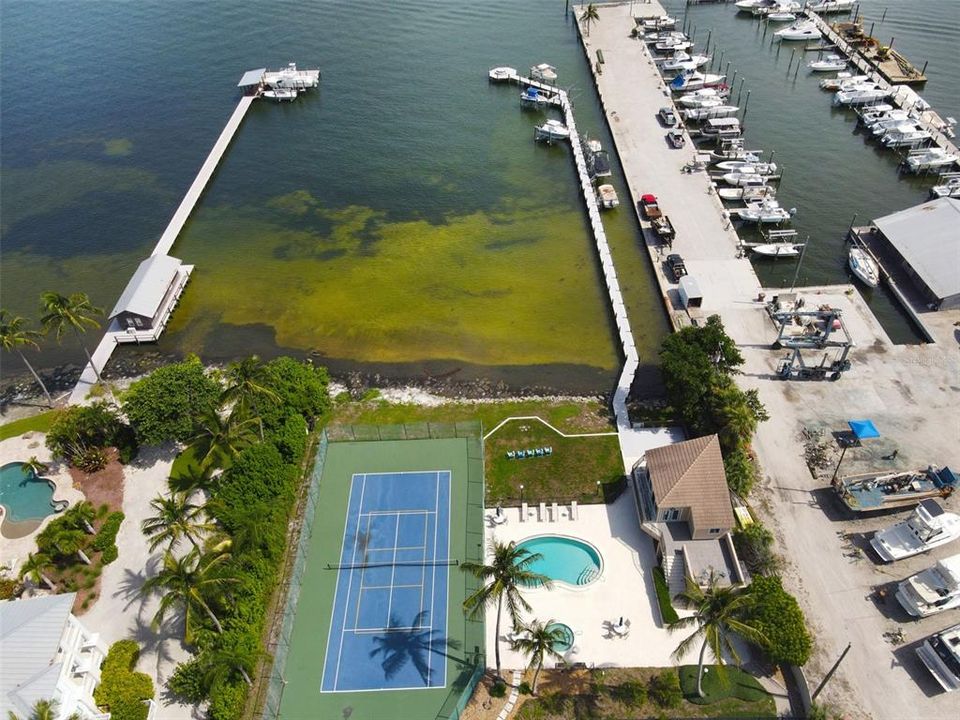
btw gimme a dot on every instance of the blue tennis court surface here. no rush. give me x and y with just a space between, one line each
388 630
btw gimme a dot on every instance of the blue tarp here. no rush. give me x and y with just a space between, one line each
677 81
863 429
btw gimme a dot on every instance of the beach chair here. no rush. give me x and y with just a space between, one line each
554 512
511 454
524 509
542 514
574 510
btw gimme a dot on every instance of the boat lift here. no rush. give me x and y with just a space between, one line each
817 333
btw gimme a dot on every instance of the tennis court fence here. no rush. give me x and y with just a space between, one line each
404 431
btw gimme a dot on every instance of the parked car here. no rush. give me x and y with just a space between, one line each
676 266
667 116
675 138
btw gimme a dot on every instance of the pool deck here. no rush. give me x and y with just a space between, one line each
624 588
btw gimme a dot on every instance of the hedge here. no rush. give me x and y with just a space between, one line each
776 614
123 691
107 534
667 612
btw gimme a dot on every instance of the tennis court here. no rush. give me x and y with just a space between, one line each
391 583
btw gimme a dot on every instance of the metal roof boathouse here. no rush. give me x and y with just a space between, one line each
144 308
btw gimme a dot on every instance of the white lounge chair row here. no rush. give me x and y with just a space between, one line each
552 513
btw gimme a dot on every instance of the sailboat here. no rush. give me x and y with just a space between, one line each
863 266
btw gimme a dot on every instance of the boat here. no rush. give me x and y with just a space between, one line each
766 211
502 74
933 590
835 83
828 63
831 6
803 30
749 173
747 193
291 77
949 188
280 93
661 22
607 197
685 61
695 81
710 111
863 266
535 98
780 16
673 45
861 95
941 654
598 160
749 5
721 127
698 98
761 168
544 73
892 120
906 135
550 131
928 527
777 250
732 149
872 118
884 490
655 37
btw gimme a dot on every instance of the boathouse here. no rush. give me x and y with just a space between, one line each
144 308
924 241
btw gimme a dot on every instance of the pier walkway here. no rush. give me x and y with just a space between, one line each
105 348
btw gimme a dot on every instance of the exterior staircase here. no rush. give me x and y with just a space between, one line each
674 568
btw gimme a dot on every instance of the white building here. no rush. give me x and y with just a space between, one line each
47 654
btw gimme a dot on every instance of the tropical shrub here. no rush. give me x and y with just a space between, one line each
776 614
123 691
258 474
754 545
79 431
90 460
300 388
498 689
227 700
161 406
109 555
740 471
664 689
107 535
631 693
291 438
8 587
667 612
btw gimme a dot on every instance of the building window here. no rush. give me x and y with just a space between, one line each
714 531
671 514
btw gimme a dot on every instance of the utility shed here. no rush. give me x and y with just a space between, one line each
925 240
148 292
252 78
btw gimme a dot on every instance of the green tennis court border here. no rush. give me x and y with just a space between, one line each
294 692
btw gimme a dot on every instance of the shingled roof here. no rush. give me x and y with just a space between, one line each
690 474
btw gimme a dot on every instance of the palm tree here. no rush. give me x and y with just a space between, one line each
35 567
227 662
219 439
44 710
538 640
14 337
189 582
175 518
719 614
34 467
84 514
507 572
589 15
70 541
247 386
76 313
190 478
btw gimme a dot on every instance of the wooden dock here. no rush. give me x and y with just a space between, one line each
115 334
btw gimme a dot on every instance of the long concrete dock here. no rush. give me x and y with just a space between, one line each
103 351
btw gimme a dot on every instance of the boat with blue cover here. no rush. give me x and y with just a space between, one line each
886 490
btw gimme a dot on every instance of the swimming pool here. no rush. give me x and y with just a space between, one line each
564 559
23 495
563 645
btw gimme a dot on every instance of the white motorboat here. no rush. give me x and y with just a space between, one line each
721 128
748 193
777 250
932 590
767 211
663 22
941 654
831 6
871 114
550 131
280 94
928 527
673 45
655 37
862 95
291 77
863 266
749 5
699 98
949 188
710 111
906 135
780 16
685 61
535 98
544 73
695 81
732 149
761 168
835 83
828 63
747 174
501 74
803 30
607 197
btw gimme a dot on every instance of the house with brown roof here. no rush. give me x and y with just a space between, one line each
684 504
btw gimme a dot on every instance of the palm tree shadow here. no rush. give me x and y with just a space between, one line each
131 584
406 643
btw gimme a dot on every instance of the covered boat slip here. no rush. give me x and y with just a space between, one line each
144 308
879 491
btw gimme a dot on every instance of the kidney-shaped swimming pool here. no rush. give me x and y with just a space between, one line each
564 559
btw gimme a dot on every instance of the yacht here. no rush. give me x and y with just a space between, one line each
828 63
607 197
863 266
685 61
949 188
551 130
906 135
534 98
941 654
290 77
932 590
699 98
766 211
803 30
777 250
761 168
931 158
501 74
929 527
544 73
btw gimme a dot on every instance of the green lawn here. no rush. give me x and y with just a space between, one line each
571 472
34 423
726 693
